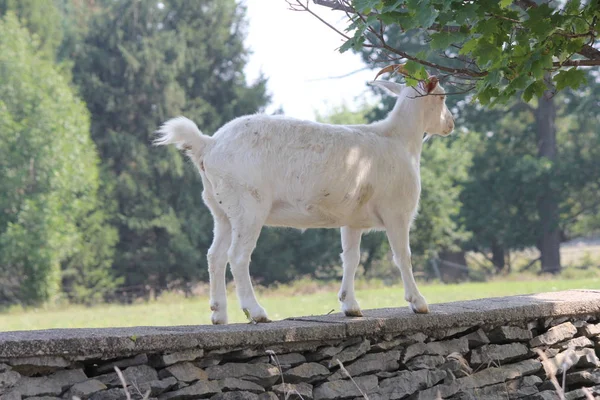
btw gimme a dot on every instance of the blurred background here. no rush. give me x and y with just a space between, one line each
99 228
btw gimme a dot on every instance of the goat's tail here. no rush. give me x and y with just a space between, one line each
184 134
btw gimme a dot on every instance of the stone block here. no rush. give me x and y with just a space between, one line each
197 390
308 372
583 378
84 390
122 363
8 379
262 374
158 387
290 390
408 382
268 396
232 384
235 396
350 353
110 394
571 358
184 372
164 360
425 362
12 395
41 386
43 365
369 363
443 348
457 365
288 360
68 377
477 338
590 330
498 354
330 351
576 343
486 377
554 335
139 374
343 389
111 380
509 334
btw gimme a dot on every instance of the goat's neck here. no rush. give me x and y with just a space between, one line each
407 122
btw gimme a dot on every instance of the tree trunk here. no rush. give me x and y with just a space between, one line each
498 257
547 203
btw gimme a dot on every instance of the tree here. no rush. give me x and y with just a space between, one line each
499 49
42 20
417 41
141 63
50 217
509 177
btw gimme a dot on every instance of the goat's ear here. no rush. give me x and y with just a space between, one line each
392 87
432 83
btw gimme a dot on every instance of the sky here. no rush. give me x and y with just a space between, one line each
298 53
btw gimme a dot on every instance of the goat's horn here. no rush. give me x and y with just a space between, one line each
393 68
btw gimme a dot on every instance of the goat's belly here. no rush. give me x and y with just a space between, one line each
317 216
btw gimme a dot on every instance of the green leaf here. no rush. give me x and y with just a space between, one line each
443 40
363 5
348 44
416 70
537 88
425 14
392 17
392 6
505 3
469 46
466 12
572 78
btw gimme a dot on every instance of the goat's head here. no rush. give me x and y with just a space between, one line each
431 96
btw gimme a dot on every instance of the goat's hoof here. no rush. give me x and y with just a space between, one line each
218 321
260 318
419 309
353 313
350 306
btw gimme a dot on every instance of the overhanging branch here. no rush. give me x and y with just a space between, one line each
588 51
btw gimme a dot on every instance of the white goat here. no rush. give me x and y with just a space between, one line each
272 170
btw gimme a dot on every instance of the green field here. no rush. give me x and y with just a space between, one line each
282 303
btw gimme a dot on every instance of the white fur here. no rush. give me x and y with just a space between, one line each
272 170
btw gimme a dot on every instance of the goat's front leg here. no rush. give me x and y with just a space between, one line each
398 236
351 259
245 233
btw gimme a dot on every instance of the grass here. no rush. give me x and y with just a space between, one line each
280 303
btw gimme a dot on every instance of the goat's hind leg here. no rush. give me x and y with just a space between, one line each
350 259
246 226
217 260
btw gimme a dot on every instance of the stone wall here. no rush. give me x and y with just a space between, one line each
500 348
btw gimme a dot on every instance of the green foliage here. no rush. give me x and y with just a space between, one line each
507 177
138 66
49 210
42 19
438 226
506 46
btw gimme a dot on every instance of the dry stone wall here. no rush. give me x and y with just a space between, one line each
494 349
